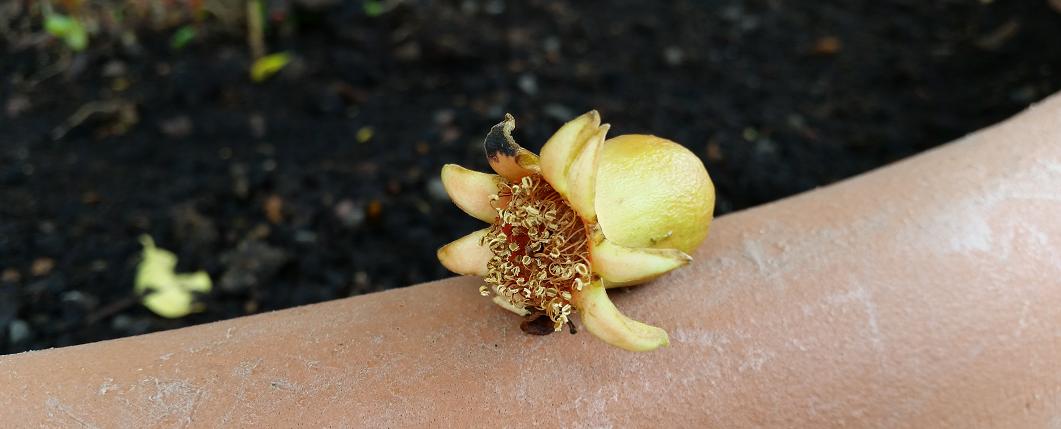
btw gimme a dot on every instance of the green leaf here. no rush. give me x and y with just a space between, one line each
68 29
163 291
265 67
182 37
59 25
373 8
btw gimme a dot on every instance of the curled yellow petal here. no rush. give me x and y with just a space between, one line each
165 292
582 177
466 255
569 162
507 158
625 266
603 320
471 190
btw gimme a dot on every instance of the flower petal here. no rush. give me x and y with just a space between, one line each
465 255
503 303
507 158
625 266
564 146
605 321
569 162
582 177
471 190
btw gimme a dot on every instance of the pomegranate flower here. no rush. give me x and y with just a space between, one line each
587 215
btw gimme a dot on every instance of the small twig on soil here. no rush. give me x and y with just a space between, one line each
255 33
55 69
104 312
86 111
111 309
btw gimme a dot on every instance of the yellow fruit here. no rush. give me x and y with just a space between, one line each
652 192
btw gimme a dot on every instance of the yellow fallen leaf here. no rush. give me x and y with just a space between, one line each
165 292
364 134
265 67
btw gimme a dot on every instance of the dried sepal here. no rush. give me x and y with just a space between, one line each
471 191
625 266
507 158
603 320
466 255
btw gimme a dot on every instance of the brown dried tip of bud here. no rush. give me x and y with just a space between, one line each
499 141
506 157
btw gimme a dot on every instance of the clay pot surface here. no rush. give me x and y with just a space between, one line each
923 294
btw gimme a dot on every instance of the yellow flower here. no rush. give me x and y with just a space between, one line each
589 214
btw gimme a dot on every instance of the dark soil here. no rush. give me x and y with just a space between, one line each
268 187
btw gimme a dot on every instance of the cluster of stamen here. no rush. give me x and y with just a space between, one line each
539 246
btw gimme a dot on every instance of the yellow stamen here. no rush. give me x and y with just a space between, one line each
540 250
